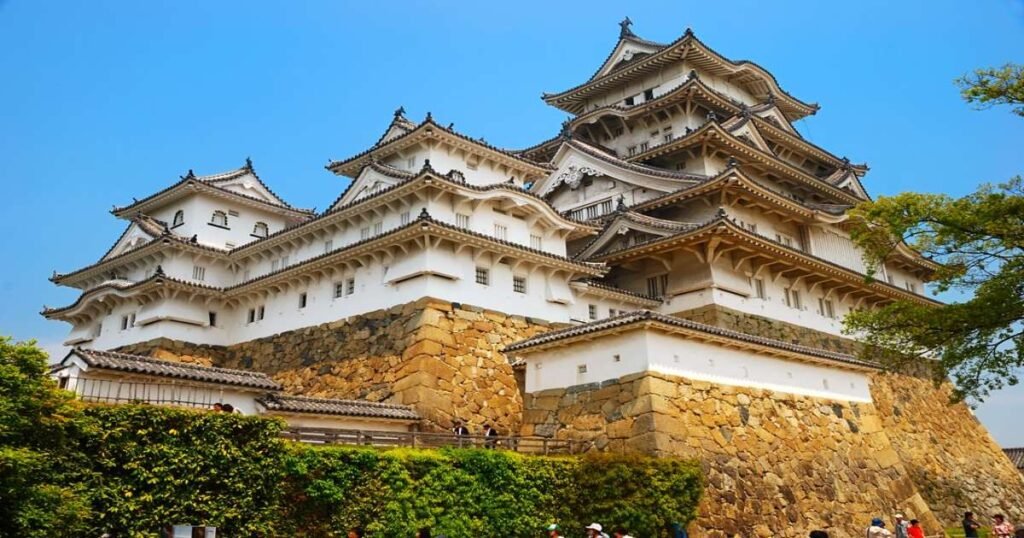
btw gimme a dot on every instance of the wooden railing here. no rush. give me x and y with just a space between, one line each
529 445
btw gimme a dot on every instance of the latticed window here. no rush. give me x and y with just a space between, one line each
350 286
501 231
519 284
405 218
656 285
536 242
260 229
179 218
592 311
483 276
219 218
198 272
339 289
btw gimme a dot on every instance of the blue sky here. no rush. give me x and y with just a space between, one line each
104 101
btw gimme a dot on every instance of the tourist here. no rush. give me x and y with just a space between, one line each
900 527
460 431
971 525
489 435
818 534
877 529
620 532
594 530
915 530
423 533
554 531
228 408
1002 528
218 407
355 532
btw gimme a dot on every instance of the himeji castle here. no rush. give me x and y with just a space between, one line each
667 274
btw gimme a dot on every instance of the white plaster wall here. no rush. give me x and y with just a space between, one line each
296 420
612 356
199 209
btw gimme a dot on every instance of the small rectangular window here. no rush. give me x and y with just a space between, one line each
124 323
644 146
252 315
350 286
592 311
581 369
198 272
649 94
501 232
483 276
612 312
302 300
519 284
826 309
246 275
911 287
213 319
274 264
628 101
461 220
284 262
364 233
631 150
784 239
232 212
792 298
656 285
131 319
339 289
405 218
758 284
378 228
536 242
262 312
328 245
410 163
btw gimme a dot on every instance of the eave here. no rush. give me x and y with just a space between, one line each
153 248
713 132
648 320
429 130
189 185
721 236
687 48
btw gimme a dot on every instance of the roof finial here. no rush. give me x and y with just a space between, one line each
566 132
400 111
624 30
427 167
771 98
732 162
721 214
159 270
194 239
424 214
430 117
248 164
621 206
190 174
712 116
688 32
693 75
451 126
745 111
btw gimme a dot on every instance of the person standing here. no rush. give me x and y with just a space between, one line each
554 531
1002 528
900 527
490 436
620 532
594 530
971 525
915 530
461 433
877 529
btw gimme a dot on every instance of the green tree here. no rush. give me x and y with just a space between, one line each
977 342
40 468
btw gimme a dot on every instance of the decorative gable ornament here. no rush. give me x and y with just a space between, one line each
574 174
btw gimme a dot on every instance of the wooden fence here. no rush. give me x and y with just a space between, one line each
529 445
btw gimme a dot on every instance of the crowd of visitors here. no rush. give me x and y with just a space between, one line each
902 528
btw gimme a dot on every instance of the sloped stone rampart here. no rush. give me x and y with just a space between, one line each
775 464
442 358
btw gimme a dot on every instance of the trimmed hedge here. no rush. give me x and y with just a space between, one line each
159 465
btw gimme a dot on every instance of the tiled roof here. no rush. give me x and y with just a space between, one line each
645 316
1016 456
124 362
211 182
614 289
687 37
610 158
429 122
328 406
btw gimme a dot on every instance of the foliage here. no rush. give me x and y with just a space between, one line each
129 470
979 239
41 475
995 86
163 465
462 492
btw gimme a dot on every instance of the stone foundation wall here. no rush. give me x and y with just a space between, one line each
442 358
728 318
950 456
775 464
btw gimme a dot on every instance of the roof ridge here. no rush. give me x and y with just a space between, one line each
154 360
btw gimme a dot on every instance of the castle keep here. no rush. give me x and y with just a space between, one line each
667 275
